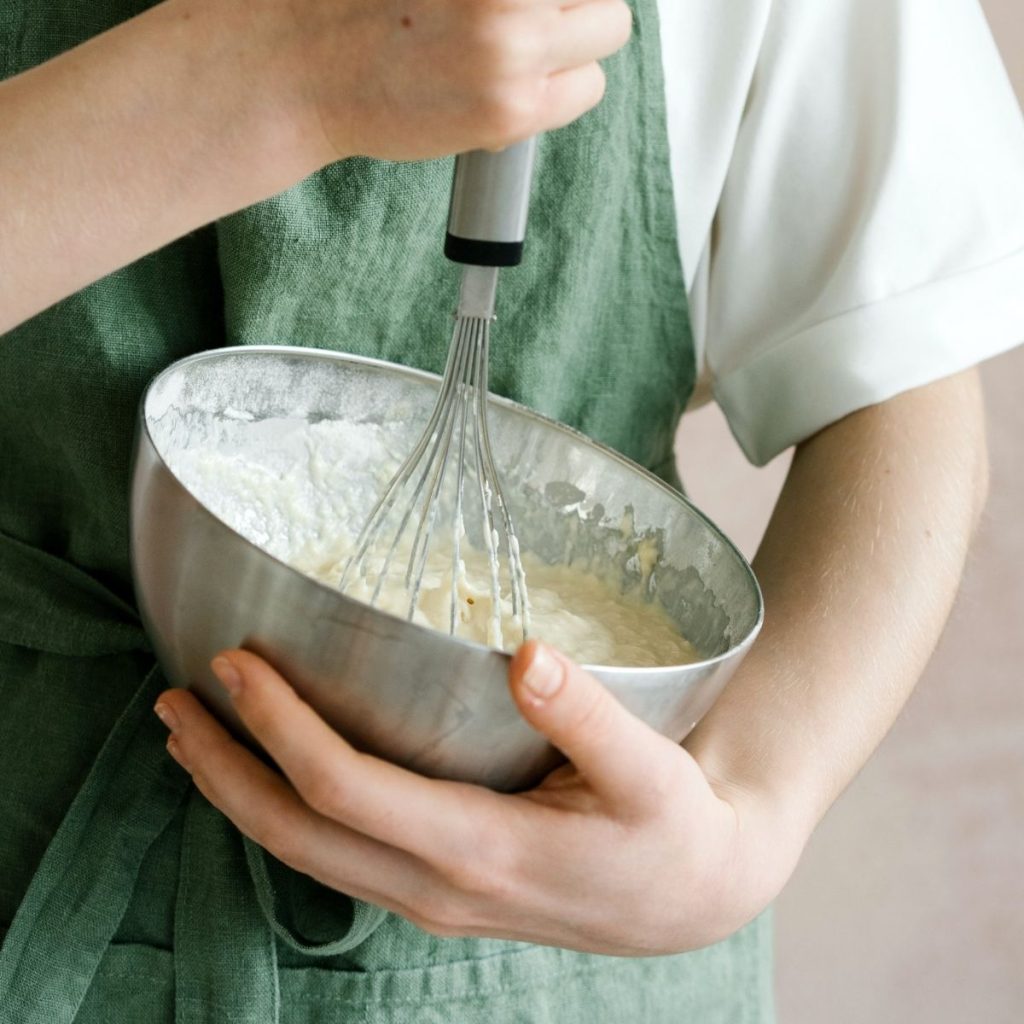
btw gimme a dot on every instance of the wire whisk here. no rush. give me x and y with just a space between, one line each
454 446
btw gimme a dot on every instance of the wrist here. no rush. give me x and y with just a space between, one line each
245 66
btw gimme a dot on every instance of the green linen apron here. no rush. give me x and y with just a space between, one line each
124 896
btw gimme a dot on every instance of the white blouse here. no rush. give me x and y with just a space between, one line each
849 179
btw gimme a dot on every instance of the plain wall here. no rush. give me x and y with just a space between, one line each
909 903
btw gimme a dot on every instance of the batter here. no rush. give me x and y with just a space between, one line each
576 611
300 491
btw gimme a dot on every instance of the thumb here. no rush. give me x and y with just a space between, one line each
617 752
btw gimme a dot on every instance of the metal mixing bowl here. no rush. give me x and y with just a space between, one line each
415 696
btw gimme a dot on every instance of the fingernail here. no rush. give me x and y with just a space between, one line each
544 675
166 715
174 749
227 674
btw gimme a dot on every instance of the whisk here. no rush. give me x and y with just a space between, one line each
486 228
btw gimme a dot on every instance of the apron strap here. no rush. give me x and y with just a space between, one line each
225 957
81 890
305 915
232 900
48 604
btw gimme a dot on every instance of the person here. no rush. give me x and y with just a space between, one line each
846 181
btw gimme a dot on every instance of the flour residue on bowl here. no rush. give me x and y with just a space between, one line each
301 491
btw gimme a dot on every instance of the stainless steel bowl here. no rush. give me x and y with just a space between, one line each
417 697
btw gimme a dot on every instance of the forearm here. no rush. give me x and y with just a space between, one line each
200 107
859 568
131 140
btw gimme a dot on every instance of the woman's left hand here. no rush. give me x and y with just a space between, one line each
627 850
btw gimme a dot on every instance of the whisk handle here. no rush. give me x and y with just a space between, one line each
489 204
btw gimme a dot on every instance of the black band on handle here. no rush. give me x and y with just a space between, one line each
482 254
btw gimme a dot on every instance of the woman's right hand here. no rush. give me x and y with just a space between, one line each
197 108
415 79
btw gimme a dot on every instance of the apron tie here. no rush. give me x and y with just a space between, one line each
80 892
228 920
225 956
307 916
234 901
48 604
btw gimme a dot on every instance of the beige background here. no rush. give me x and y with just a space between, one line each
908 905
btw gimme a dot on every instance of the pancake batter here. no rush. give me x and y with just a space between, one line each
301 493
574 610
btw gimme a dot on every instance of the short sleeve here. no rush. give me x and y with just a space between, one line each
869 237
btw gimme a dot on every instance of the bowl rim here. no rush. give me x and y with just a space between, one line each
634 672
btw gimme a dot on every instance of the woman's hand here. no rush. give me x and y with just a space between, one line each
627 850
197 108
412 79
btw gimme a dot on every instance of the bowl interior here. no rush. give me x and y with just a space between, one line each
334 428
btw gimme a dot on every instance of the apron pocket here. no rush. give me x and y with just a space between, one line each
729 983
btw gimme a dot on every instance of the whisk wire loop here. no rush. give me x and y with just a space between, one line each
380 511
418 487
437 468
